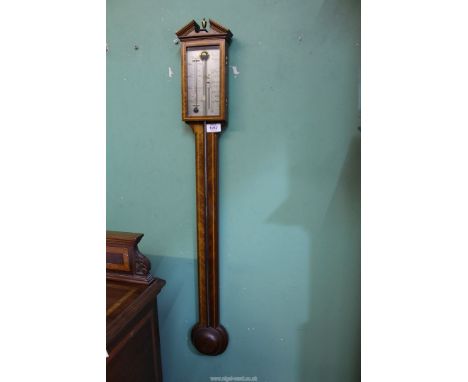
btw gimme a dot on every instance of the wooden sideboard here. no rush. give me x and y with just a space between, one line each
132 333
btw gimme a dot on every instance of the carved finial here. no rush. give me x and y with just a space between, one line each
203 23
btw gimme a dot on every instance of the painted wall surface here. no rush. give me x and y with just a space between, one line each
289 182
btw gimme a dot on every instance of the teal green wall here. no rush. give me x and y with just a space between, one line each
290 182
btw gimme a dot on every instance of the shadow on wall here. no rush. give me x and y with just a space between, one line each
330 340
324 199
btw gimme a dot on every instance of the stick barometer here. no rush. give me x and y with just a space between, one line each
204 107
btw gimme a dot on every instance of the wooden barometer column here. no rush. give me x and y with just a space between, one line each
204 107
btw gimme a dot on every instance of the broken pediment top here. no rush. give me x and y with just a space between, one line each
193 30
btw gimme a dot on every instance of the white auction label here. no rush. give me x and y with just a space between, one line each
213 127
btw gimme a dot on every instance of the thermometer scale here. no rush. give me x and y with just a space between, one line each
203 81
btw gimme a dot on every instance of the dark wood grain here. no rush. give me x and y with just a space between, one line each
140 298
198 130
208 335
132 333
212 226
124 261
